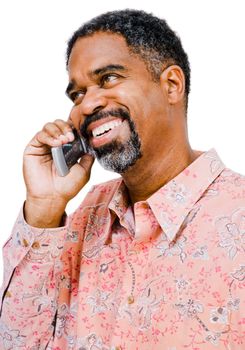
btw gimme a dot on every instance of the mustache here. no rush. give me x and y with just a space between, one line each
118 112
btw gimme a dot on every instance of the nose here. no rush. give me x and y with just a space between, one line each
93 101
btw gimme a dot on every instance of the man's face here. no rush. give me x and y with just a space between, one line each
118 108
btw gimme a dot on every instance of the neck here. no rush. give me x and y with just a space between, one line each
147 176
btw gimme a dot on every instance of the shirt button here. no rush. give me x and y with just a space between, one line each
130 299
25 243
36 245
8 294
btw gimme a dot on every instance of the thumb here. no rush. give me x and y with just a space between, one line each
86 162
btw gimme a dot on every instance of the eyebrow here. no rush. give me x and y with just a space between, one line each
97 72
109 67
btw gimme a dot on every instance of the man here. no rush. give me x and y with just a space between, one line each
152 260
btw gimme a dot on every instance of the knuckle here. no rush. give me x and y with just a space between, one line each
38 134
58 121
51 129
62 125
47 126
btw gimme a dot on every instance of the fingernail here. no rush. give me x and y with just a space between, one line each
70 136
62 138
56 141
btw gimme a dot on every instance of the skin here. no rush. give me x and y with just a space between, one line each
157 109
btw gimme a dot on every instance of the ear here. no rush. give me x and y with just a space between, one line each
172 80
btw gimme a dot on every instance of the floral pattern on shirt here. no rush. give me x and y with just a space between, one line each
167 273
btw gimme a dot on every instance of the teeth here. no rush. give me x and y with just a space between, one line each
105 127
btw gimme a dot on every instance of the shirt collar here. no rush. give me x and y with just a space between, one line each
120 200
172 203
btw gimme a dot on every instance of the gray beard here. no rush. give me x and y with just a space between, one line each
117 156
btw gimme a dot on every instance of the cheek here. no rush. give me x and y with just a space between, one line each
132 99
121 96
144 97
136 101
75 117
152 117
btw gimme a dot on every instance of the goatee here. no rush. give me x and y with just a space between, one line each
115 156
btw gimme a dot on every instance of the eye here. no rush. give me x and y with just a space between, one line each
77 96
107 79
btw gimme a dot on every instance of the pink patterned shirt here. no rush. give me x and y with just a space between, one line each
165 274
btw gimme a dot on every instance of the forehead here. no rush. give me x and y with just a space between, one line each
101 49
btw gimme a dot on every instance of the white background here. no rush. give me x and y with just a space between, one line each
33 37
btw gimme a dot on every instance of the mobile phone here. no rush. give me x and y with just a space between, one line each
67 155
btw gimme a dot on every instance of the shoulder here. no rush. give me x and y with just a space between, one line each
226 205
227 191
231 179
223 204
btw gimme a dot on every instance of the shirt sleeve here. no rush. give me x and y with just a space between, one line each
30 286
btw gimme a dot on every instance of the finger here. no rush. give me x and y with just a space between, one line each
86 162
41 143
59 130
66 128
84 165
81 171
44 138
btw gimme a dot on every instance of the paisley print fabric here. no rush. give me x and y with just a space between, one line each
165 274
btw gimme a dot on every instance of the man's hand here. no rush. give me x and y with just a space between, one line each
47 192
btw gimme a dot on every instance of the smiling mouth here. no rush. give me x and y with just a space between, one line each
105 128
103 122
106 131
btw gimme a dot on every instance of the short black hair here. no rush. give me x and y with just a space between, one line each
145 34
